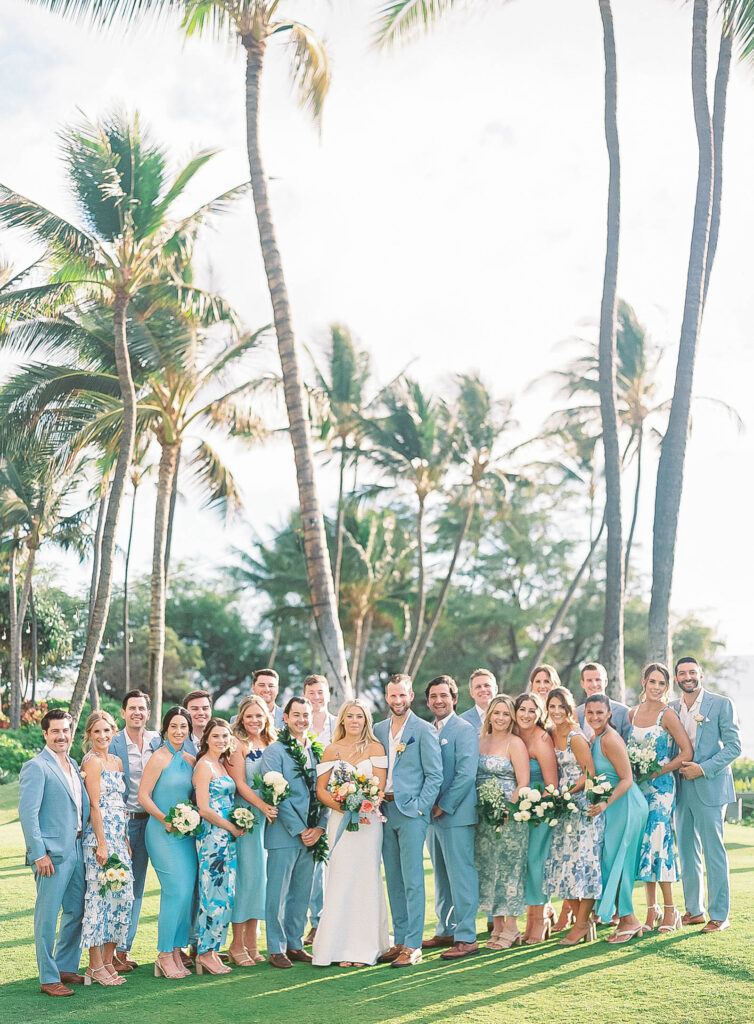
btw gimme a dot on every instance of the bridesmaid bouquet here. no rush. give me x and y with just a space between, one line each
242 817
272 787
597 788
535 805
113 875
492 804
358 795
184 820
643 758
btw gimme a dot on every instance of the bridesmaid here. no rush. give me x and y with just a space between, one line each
253 731
500 857
543 769
166 781
657 858
106 918
542 680
625 814
216 848
573 866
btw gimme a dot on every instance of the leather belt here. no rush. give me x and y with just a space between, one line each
389 797
137 815
79 834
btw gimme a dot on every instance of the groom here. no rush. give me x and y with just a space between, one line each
414 777
288 839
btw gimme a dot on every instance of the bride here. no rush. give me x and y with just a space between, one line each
353 929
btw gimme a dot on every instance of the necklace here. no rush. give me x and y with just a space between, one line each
320 850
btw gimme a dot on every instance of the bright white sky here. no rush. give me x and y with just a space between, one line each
452 212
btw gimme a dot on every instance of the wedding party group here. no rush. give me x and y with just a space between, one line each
289 815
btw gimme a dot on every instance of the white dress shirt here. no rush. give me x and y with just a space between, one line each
325 736
75 784
440 725
137 760
688 716
392 752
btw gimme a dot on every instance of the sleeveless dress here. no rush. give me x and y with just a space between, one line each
540 837
173 857
500 857
107 918
657 857
251 856
625 819
354 923
572 871
216 852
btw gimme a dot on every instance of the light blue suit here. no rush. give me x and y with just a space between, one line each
48 817
290 864
417 777
700 807
450 837
473 718
621 722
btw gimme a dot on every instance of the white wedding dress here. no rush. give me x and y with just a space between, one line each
354 923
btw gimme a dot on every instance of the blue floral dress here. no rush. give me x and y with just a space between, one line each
107 918
573 870
500 857
657 856
251 875
216 850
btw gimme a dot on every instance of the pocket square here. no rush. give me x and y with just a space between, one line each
443 742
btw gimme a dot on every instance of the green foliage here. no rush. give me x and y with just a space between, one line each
17 747
183 661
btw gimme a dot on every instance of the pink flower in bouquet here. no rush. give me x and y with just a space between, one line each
367 807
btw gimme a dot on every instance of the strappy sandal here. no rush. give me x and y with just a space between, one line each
241 959
90 977
666 929
657 911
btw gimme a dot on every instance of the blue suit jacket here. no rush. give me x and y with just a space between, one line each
119 749
417 773
47 809
459 750
718 744
621 722
472 717
293 811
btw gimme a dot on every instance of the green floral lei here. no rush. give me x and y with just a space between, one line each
320 851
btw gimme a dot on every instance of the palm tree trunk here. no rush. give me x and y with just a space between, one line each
366 634
34 646
428 633
98 622
168 465
15 678
421 597
358 632
275 645
318 568
171 517
718 131
96 560
669 485
635 513
612 640
339 528
17 669
126 627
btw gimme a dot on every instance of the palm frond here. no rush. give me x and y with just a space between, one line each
216 478
104 14
403 19
310 66
208 17
45 227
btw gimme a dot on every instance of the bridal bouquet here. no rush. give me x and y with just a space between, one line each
113 875
358 795
492 804
184 820
643 757
272 787
242 817
597 788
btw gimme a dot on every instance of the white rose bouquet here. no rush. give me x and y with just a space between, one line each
184 820
597 788
643 757
242 817
492 804
272 787
535 805
113 875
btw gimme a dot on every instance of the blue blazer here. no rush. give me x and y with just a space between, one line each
119 749
459 750
47 809
472 717
621 721
293 812
718 744
417 773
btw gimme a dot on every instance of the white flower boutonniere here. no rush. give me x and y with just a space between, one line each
443 742
699 719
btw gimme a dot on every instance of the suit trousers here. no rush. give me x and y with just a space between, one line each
699 830
403 857
289 886
456 882
63 891
137 838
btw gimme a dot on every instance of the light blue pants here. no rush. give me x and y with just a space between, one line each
137 833
317 895
289 886
699 830
403 857
456 882
63 891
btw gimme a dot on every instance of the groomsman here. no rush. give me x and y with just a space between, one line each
705 787
414 777
594 680
53 807
266 684
450 837
290 864
134 746
317 692
482 687
198 703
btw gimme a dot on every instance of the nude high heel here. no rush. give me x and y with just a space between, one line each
666 929
655 908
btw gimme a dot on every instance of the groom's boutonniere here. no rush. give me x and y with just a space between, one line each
700 718
402 746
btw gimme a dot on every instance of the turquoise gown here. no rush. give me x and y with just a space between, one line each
173 857
625 819
251 870
216 850
540 837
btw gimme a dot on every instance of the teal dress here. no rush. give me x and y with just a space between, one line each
625 819
173 857
216 849
251 870
540 837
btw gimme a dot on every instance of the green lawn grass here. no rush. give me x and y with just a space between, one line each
682 978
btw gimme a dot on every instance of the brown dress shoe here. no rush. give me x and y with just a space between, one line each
56 989
279 960
71 978
692 918
436 941
710 926
407 957
310 937
390 955
300 955
460 950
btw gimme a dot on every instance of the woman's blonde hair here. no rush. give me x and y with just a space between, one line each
550 671
367 733
502 698
96 716
268 733
655 666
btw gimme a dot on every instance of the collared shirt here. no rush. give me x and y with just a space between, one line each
481 712
325 736
196 740
75 784
392 753
688 716
440 725
137 760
